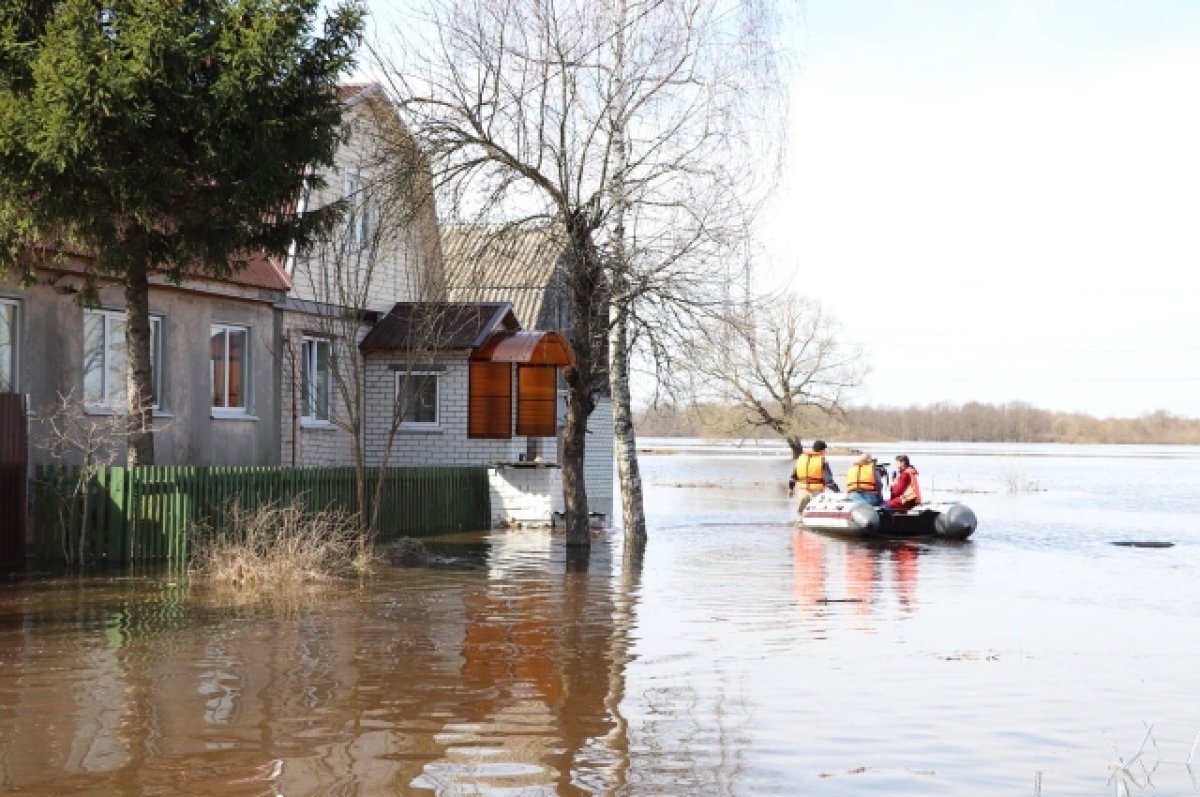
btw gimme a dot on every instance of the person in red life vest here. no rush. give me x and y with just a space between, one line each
906 491
862 481
812 473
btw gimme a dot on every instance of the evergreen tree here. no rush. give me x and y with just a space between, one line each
164 136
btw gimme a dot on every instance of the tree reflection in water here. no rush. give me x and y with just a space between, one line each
502 676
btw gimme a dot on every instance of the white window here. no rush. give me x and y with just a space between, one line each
8 346
360 210
315 384
417 398
105 356
229 367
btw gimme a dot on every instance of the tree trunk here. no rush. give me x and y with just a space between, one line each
632 510
139 373
589 300
796 445
579 406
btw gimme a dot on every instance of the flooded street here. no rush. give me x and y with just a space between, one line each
738 656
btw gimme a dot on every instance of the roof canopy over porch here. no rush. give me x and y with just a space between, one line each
526 348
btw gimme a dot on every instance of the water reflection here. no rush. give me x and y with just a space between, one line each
828 570
534 655
745 657
505 679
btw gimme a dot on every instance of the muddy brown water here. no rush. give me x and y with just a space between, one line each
738 655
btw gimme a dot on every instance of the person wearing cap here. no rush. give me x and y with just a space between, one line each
862 481
812 473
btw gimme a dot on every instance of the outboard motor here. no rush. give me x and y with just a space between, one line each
957 522
864 518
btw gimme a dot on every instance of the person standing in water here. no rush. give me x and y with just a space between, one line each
812 473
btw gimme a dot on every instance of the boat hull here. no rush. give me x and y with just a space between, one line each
833 512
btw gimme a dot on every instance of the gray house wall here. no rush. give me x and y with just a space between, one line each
187 433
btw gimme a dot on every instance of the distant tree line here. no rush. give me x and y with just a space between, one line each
1012 422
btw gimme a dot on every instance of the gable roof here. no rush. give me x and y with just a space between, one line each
410 326
513 264
261 270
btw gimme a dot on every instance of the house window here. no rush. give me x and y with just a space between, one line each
417 398
360 213
8 346
229 367
105 355
315 383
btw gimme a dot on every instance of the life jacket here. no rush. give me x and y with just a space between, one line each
912 493
810 471
861 478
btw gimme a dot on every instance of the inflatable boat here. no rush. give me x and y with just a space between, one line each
835 512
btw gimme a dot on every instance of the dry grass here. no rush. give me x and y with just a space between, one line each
275 548
1012 475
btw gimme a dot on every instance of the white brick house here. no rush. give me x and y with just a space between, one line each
378 367
528 265
457 383
386 251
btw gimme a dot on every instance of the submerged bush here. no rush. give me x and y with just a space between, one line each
276 547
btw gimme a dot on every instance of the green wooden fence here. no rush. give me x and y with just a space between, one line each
145 514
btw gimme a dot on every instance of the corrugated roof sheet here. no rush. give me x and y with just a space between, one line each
411 326
512 264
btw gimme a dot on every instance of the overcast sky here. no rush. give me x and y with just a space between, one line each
1000 200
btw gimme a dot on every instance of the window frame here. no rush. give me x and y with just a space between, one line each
14 336
309 365
226 410
119 403
402 379
360 216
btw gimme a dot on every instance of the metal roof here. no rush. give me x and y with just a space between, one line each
531 348
412 326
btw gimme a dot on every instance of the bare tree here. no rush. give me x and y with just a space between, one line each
70 435
775 362
383 251
619 122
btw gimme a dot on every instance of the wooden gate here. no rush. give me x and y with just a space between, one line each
13 453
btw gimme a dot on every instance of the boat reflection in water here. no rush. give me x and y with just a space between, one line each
868 570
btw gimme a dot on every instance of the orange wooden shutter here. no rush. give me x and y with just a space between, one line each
537 400
489 410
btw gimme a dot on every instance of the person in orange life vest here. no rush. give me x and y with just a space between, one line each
812 473
862 481
906 490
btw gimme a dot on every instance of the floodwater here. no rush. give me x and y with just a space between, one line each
738 655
